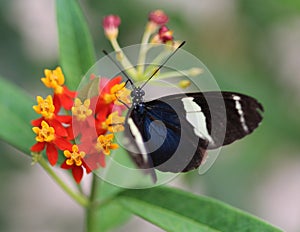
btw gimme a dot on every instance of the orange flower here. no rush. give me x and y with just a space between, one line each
55 79
46 137
104 144
74 161
46 108
114 122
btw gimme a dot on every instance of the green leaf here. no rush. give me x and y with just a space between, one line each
176 210
75 42
15 115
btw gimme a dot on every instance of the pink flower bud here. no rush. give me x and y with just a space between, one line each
110 24
111 21
158 17
165 34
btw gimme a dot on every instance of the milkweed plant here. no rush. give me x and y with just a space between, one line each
75 130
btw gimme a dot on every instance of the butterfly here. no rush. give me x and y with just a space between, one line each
173 133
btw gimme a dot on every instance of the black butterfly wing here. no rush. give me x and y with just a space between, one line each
160 127
228 116
176 130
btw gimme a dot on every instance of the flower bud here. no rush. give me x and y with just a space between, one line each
184 84
158 17
111 26
165 34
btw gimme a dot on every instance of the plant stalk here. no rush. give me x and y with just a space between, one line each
91 211
79 198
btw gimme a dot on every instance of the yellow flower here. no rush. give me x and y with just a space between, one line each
114 122
104 144
74 157
118 94
81 110
44 134
45 107
54 79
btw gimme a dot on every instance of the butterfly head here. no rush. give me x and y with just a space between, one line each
137 95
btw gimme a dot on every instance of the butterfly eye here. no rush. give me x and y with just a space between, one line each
133 93
137 93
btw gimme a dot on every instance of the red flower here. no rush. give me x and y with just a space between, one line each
62 95
105 102
105 87
46 108
90 118
96 150
64 98
101 115
77 171
83 119
94 161
46 137
74 161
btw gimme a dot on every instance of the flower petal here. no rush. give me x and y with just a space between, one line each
56 103
52 153
94 161
38 147
105 85
77 172
66 101
65 166
64 118
71 135
63 144
37 122
68 92
60 130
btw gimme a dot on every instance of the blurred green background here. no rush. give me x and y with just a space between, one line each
250 46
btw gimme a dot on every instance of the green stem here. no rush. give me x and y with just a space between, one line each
80 199
143 52
121 57
155 63
79 187
91 213
188 72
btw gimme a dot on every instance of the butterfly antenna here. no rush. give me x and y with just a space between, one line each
166 60
124 73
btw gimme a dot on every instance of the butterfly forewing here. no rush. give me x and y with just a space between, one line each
229 116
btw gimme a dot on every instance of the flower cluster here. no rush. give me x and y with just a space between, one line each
156 27
156 33
65 118
80 128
